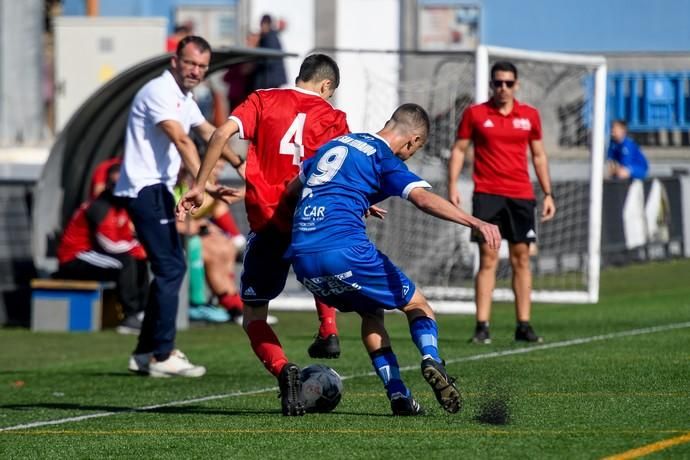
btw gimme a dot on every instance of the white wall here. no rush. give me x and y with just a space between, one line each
368 84
298 36
89 51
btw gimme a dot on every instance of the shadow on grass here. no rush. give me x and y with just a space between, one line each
24 374
180 410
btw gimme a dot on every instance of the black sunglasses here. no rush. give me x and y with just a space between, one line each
499 83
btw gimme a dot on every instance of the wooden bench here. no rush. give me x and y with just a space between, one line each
73 305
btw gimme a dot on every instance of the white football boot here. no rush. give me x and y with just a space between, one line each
177 365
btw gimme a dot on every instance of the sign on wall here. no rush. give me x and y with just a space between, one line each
447 25
218 24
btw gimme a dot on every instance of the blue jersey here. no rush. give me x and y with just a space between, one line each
627 153
344 178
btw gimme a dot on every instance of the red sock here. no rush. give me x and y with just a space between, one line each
327 318
266 346
227 223
231 301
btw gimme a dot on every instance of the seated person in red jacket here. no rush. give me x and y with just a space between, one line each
98 244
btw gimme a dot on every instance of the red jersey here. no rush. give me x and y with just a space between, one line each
500 147
284 127
99 226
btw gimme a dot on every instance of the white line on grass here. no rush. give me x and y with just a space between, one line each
496 354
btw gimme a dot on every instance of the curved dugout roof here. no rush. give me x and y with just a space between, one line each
94 133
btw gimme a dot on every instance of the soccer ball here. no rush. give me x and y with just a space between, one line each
321 388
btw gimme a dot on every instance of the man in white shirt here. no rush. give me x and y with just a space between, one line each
157 142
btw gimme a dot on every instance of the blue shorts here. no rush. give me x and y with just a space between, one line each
265 269
358 278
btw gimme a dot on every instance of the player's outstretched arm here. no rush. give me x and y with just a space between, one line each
216 144
191 200
292 193
436 206
541 168
457 157
229 195
206 130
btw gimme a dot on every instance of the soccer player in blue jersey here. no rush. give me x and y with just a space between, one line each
333 257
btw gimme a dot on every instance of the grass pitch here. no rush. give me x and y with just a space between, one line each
610 378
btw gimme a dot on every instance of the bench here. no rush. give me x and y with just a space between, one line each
73 305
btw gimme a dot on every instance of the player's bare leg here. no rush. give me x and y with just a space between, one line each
522 280
522 288
424 332
268 349
219 262
374 333
326 344
484 285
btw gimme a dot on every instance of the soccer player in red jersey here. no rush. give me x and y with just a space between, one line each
501 129
284 126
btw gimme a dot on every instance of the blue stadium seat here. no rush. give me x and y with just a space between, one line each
648 101
658 102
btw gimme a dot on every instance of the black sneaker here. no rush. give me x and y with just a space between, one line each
481 335
447 394
129 325
405 405
527 334
291 398
328 348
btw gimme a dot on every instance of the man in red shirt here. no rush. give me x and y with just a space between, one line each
501 129
284 127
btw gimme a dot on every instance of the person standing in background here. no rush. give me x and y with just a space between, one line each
240 77
270 73
157 142
501 130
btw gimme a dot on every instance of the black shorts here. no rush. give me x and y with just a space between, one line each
515 217
265 270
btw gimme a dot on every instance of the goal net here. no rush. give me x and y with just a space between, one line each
568 90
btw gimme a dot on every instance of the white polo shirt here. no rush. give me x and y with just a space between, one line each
150 156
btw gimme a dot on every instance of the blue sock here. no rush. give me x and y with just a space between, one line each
425 335
386 365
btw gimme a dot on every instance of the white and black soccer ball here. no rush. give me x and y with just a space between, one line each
322 388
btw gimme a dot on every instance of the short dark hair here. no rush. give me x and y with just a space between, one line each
114 168
411 116
266 19
503 66
201 43
182 28
623 123
319 67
